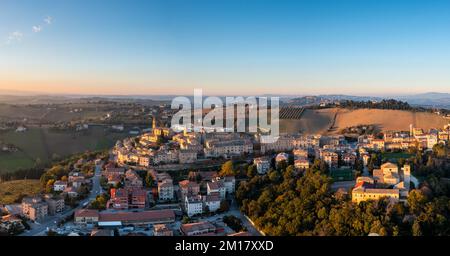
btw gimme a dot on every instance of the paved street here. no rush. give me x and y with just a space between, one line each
39 228
234 210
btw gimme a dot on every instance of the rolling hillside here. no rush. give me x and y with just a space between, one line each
319 121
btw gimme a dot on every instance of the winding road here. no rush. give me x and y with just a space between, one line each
51 222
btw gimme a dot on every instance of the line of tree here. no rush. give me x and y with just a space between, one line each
384 104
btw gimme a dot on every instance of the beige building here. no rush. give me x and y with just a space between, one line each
218 148
374 188
162 230
85 216
165 189
284 143
187 156
301 164
331 159
300 153
34 208
364 194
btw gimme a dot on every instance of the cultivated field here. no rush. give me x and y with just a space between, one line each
320 121
14 191
389 119
311 122
44 144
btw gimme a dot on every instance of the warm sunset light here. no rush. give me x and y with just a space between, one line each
224 127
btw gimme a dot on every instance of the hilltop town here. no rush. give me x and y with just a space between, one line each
162 183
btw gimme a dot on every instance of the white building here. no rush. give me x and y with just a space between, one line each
284 143
230 184
216 187
59 186
193 205
262 165
212 202
218 148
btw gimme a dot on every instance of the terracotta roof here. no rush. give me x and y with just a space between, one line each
215 185
241 234
388 165
138 216
86 213
192 227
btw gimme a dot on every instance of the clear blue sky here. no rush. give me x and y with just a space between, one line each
225 47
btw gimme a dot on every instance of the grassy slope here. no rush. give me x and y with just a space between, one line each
318 121
12 191
43 143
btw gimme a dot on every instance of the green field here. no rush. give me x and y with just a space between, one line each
14 161
14 191
395 156
44 144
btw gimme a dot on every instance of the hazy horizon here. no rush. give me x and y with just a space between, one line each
42 94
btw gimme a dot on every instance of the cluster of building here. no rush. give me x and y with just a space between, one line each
133 194
37 207
388 181
181 148
113 219
335 151
401 140
10 224
216 190
74 181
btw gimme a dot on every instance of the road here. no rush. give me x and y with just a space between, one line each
234 210
40 228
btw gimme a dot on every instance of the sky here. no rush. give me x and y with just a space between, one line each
225 47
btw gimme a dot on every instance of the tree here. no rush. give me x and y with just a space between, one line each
251 171
416 229
227 169
100 202
440 150
224 206
149 180
49 186
186 220
416 201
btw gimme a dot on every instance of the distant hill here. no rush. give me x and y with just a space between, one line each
428 100
431 99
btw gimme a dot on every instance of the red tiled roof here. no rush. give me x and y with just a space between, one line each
190 227
86 213
138 216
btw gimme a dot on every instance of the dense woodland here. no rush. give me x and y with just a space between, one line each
284 202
